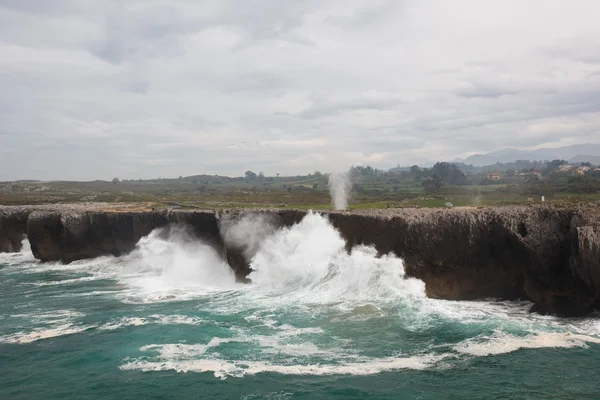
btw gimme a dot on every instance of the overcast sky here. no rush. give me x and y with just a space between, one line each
93 89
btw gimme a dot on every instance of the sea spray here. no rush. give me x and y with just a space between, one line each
248 232
339 188
309 262
171 264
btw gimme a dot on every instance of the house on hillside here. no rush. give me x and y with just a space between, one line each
565 168
494 176
581 170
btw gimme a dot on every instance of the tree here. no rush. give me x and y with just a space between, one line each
415 171
115 181
432 184
555 164
510 172
318 174
261 176
449 173
250 175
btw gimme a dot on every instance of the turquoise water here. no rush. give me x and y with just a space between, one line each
168 321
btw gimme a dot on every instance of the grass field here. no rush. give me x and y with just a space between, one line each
302 192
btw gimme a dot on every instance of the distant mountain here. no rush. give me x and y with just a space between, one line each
594 160
568 153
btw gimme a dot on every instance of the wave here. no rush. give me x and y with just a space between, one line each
303 264
308 262
152 319
502 342
54 324
40 333
23 256
169 265
302 271
223 368
65 281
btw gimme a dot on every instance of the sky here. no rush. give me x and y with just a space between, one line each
93 89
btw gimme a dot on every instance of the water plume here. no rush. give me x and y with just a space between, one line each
170 263
308 263
248 232
339 188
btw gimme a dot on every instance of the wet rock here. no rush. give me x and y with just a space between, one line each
13 227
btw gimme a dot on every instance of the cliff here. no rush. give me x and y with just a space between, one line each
13 228
548 255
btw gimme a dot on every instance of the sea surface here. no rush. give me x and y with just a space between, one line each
169 321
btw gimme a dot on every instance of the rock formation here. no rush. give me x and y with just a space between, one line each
13 228
548 255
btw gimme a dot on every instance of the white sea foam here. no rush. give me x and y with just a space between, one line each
54 324
45 316
23 256
178 351
40 333
224 368
284 339
152 319
174 267
502 315
308 263
269 396
501 342
66 281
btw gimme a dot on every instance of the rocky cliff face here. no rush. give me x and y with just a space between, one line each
542 254
548 255
13 228
70 235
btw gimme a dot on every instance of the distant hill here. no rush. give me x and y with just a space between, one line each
594 160
575 153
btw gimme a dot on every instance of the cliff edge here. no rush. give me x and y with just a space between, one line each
546 254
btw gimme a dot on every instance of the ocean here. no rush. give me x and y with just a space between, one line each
169 321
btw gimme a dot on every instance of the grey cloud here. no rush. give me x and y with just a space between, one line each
485 92
325 107
369 15
145 89
53 8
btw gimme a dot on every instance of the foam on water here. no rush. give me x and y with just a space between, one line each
501 342
225 368
39 334
152 319
66 281
52 324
